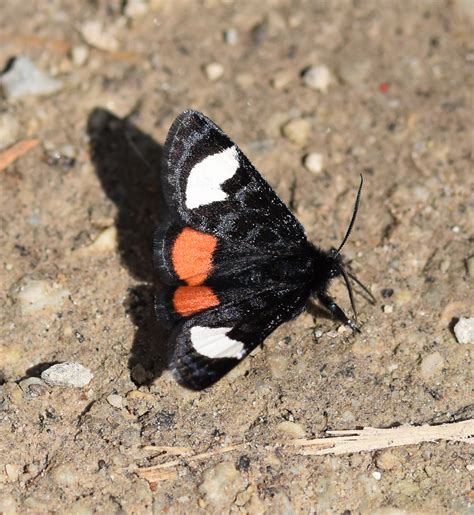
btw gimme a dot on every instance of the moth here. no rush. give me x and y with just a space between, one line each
234 261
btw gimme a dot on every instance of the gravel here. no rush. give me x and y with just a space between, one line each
464 330
67 374
313 162
24 79
297 130
221 485
214 71
35 295
318 78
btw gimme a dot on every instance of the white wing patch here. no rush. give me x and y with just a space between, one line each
206 178
212 342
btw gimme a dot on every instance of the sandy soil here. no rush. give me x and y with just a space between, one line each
77 215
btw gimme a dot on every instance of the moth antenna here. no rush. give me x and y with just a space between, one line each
372 299
349 290
354 215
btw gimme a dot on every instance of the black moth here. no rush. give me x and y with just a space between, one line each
234 261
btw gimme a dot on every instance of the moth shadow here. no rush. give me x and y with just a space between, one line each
129 165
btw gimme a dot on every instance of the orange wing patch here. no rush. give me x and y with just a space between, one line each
188 300
192 256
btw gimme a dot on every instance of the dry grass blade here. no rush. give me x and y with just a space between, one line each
205 455
372 439
170 451
174 463
11 154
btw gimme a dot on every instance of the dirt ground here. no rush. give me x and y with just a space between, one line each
78 211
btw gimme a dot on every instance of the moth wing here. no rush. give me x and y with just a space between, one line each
209 344
214 188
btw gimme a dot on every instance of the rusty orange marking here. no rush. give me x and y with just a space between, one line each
192 255
188 300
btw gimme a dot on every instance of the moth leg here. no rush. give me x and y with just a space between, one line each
336 311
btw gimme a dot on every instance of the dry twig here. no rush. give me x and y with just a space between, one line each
11 154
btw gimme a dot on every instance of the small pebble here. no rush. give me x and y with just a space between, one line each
292 429
377 475
388 308
35 295
67 374
26 383
470 266
432 365
297 130
136 8
221 484
313 162
464 330
9 130
318 78
444 265
214 71
99 36
13 471
115 400
79 55
105 242
281 79
24 79
231 37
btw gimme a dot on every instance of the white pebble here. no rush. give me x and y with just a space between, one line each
67 374
98 36
221 485
25 79
79 55
115 400
231 37
34 295
464 330
318 78
136 8
388 308
377 475
214 71
313 162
